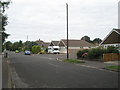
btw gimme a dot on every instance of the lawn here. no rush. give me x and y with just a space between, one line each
113 67
74 61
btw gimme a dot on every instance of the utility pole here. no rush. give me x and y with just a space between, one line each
67 30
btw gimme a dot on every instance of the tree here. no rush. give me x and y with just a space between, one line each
36 49
86 38
3 21
8 45
97 41
4 5
20 43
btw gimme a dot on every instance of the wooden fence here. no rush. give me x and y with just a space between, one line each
111 57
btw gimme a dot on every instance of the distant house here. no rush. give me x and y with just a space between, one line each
53 47
46 44
112 39
74 45
54 43
42 43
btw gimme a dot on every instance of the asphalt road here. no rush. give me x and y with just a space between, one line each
44 71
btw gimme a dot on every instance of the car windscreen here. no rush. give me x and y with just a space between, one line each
56 49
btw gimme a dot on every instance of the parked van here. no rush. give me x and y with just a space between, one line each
53 49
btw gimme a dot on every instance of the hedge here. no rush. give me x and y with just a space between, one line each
96 53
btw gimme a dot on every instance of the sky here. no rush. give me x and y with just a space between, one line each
46 19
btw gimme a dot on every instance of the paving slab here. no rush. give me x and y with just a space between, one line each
0 72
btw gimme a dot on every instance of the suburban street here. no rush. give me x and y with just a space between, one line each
45 71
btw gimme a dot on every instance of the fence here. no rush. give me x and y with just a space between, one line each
111 57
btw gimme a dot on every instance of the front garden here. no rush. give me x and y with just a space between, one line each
95 53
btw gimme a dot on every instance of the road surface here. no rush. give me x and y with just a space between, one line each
44 71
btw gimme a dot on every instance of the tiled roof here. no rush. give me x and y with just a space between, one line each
77 43
39 42
55 43
112 38
46 44
118 30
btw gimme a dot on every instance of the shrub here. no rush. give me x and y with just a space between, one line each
112 49
36 49
95 53
81 52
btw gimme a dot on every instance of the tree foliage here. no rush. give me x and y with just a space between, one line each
36 49
3 7
97 41
86 38
19 45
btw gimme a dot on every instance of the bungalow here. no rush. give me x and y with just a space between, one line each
46 44
42 43
54 43
53 47
112 39
74 45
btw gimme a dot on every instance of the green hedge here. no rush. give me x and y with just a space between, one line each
81 52
96 53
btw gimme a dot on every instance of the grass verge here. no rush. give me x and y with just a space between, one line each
74 61
113 67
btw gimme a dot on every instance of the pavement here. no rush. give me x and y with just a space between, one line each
0 71
92 64
44 71
100 65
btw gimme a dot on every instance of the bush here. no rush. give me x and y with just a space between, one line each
36 49
112 49
81 52
97 53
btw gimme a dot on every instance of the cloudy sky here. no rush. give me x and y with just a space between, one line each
46 19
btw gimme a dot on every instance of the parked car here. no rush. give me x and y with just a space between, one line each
27 53
17 51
